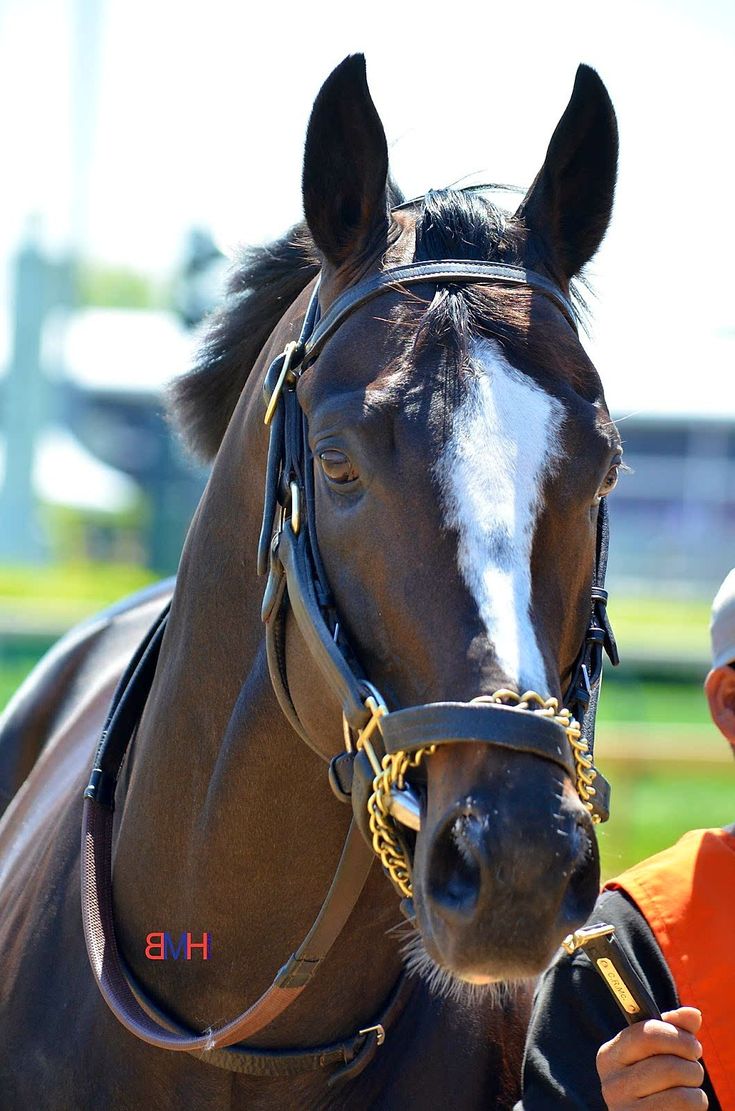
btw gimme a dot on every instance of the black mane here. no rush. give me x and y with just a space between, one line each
266 281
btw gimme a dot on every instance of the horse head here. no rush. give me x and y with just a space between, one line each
455 455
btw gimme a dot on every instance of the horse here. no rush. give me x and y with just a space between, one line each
426 498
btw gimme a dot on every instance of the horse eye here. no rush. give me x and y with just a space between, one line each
611 481
336 466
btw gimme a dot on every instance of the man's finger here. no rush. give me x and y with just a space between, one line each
661 1073
645 1039
676 1099
686 1018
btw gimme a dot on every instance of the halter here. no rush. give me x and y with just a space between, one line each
382 746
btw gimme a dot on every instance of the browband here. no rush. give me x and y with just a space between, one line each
459 271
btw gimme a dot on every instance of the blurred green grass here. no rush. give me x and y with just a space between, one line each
625 700
13 672
652 806
669 768
669 625
38 604
61 595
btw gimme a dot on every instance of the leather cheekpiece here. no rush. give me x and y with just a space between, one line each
362 789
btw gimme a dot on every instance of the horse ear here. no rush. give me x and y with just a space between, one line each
345 165
570 203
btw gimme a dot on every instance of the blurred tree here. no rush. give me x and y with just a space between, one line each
118 287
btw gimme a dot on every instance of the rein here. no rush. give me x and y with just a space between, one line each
381 746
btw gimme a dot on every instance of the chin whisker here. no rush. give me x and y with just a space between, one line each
445 985
403 930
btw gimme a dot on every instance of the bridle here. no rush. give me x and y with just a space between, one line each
381 746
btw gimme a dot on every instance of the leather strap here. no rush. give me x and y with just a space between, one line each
126 708
464 271
353 1054
99 930
467 722
113 982
292 552
105 959
583 692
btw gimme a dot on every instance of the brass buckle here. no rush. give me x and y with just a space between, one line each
378 1030
377 707
288 353
295 507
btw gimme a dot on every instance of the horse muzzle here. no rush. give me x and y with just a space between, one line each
380 761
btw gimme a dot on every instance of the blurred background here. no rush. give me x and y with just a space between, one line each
145 141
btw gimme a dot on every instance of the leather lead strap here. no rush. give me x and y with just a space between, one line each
109 970
351 1055
119 991
105 958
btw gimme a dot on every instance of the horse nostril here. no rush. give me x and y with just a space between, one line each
456 873
584 879
585 840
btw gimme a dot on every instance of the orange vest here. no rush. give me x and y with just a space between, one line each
687 896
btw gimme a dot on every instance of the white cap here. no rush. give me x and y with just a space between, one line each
722 625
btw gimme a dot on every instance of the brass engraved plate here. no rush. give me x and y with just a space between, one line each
609 971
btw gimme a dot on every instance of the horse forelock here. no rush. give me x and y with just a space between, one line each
464 224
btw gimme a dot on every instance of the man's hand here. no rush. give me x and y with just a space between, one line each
654 1066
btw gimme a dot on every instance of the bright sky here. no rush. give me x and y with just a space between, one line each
176 114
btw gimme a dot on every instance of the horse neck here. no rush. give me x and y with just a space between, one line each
229 825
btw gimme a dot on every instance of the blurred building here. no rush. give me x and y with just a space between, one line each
115 367
674 516
201 277
83 429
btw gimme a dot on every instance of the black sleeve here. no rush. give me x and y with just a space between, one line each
574 1013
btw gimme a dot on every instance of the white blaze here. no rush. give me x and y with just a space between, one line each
504 442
